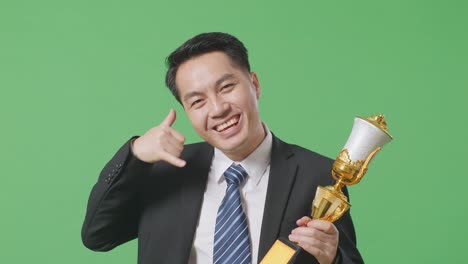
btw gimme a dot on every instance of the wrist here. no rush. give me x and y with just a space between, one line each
337 258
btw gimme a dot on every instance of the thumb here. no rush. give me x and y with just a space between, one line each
170 118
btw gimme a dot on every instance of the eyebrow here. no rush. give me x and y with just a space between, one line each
223 78
191 94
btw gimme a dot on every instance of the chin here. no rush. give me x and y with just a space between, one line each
233 147
229 145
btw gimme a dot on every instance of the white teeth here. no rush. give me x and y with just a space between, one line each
228 123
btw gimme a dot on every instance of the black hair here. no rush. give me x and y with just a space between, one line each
202 44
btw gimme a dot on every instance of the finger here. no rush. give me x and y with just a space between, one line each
323 225
173 148
318 253
311 232
309 240
324 251
171 159
311 243
169 139
177 135
303 221
170 118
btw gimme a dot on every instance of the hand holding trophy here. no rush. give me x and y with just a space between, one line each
368 136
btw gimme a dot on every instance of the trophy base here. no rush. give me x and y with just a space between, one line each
284 251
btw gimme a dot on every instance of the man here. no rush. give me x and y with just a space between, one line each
225 200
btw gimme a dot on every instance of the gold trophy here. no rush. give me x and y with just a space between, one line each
368 136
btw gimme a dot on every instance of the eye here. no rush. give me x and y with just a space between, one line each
196 102
227 86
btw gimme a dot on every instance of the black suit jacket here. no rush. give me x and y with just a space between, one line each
160 204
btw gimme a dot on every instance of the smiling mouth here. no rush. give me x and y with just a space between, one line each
230 123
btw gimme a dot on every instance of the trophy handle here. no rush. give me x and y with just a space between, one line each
363 170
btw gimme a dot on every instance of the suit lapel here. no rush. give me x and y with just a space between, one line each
194 184
282 174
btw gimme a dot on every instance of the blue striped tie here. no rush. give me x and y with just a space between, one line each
231 239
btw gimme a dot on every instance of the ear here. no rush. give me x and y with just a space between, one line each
256 84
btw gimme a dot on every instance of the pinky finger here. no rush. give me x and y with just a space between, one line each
173 160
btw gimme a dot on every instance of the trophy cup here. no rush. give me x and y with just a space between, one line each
368 136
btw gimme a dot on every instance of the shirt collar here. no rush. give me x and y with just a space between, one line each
255 164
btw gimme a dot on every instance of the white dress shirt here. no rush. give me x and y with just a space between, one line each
253 193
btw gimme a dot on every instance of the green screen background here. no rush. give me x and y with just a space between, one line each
78 78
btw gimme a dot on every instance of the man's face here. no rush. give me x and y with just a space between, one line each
220 100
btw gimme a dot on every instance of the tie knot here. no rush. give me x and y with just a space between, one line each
235 174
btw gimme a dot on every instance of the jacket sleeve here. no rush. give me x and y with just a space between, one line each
347 248
112 214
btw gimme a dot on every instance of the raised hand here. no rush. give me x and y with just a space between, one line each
161 143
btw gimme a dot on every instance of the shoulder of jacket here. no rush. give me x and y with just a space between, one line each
304 153
307 152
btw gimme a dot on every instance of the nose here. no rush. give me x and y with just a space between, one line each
219 108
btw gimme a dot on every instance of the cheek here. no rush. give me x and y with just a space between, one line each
198 121
243 98
250 103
